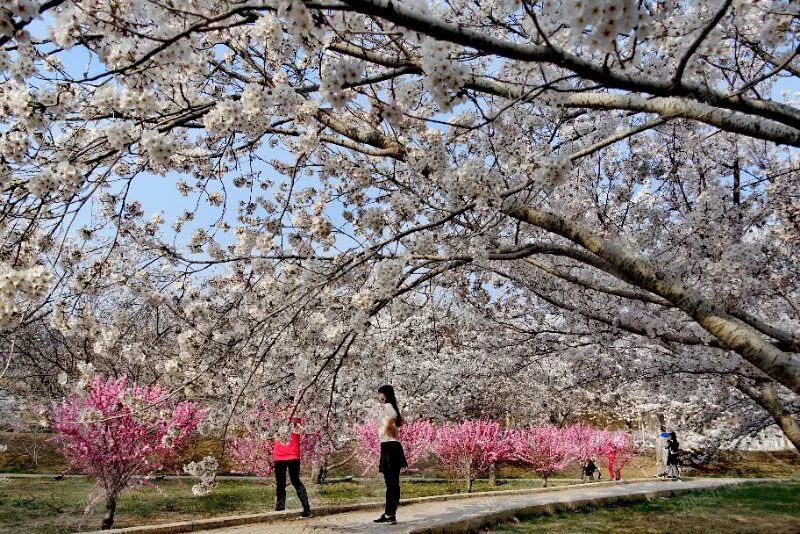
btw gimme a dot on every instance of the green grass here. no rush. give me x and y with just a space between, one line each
757 508
55 506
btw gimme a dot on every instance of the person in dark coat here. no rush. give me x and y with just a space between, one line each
673 447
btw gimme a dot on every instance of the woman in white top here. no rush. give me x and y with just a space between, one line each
392 457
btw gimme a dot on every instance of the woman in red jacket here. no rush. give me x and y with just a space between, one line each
287 457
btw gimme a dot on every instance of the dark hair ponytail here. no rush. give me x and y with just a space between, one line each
388 392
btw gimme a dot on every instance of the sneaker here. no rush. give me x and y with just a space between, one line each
391 520
386 519
305 513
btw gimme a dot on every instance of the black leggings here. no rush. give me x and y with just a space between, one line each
280 482
392 479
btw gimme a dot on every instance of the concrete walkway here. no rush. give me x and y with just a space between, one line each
470 514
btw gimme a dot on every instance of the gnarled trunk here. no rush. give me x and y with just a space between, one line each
111 509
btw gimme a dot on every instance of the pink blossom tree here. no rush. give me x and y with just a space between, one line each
545 449
252 451
369 444
115 431
584 440
470 448
416 437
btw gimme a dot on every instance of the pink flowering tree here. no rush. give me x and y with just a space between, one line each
416 437
369 444
584 440
470 448
251 452
545 449
115 431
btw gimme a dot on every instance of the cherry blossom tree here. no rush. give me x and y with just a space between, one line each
114 431
470 448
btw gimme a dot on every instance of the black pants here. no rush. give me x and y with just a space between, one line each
280 482
392 479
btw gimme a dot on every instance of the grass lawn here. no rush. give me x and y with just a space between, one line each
54 506
768 508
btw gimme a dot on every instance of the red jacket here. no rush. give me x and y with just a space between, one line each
290 451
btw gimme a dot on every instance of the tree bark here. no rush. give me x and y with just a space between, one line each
766 397
493 474
678 99
111 509
750 344
319 473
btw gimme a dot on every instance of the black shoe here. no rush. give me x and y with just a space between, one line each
305 513
386 519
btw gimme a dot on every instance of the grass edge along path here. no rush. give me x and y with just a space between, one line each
269 517
473 524
768 507
41 504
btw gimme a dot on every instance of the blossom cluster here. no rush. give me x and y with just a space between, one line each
444 77
30 283
605 20
16 10
336 77
206 471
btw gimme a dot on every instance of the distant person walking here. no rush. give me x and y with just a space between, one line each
286 456
392 457
613 470
672 456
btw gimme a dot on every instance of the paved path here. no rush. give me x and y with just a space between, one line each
472 513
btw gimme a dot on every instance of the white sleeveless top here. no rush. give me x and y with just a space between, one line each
387 430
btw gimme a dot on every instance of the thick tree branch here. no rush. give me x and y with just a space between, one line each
467 37
766 397
777 364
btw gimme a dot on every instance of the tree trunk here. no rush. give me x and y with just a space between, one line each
743 339
766 397
544 485
319 471
469 484
111 509
493 474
